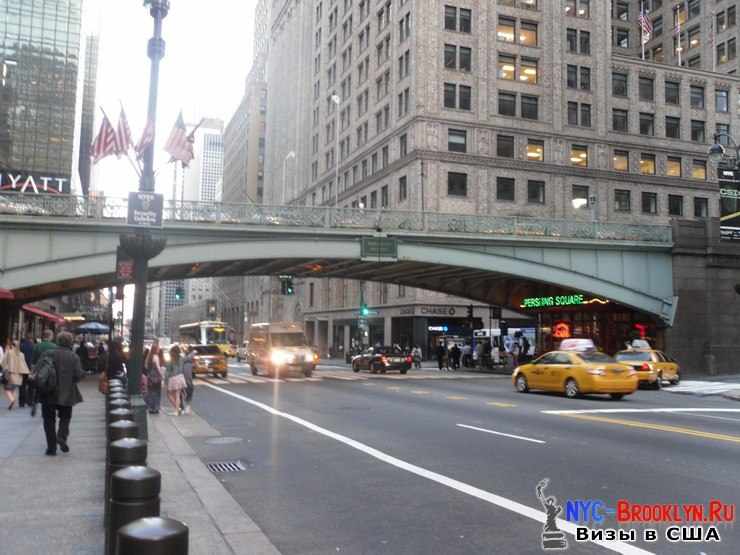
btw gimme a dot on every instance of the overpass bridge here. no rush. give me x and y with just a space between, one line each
59 244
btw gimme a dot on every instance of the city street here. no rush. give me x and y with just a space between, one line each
448 463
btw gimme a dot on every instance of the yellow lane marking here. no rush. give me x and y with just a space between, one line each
501 405
456 398
420 392
658 427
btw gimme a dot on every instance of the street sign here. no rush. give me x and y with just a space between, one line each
124 267
729 202
145 209
379 249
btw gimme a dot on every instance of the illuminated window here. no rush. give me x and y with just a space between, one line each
579 156
647 164
528 72
673 167
621 161
505 29
528 33
535 150
699 169
506 67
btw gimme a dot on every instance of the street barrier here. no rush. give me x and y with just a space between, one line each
115 415
128 451
134 494
153 536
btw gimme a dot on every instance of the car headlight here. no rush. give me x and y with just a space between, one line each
309 357
279 357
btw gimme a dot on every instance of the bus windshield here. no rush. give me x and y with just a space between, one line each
215 335
288 340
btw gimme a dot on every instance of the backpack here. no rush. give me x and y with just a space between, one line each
45 374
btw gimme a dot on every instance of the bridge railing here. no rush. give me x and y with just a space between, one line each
110 209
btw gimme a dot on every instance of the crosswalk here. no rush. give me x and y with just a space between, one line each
239 378
703 388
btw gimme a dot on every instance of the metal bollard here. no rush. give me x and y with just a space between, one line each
128 451
120 429
153 536
119 403
114 381
134 494
114 415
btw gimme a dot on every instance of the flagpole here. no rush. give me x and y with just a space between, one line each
128 156
642 28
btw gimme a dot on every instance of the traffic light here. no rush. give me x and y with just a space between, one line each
179 293
286 285
470 312
364 310
211 308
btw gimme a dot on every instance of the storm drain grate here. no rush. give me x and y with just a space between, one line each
226 466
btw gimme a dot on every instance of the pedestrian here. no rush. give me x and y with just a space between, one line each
116 361
524 356
187 372
154 375
175 379
441 355
83 355
416 356
24 396
14 370
46 344
515 350
102 357
467 355
65 396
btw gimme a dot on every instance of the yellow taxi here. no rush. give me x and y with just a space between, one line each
574 373
652 366
209 359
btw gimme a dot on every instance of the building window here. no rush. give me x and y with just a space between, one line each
535 192
402 191
464 93
403 145
622 38
572 113
647 89
647 164
505 189
620 120
697 131
529 106
649 203
672 92
672 127
579 156
401 291
505 146
465 60
457 184
457 140
374 200
450 57
535 150
701 207
699 169
506 67
384 196
578 8
673 167
578 42
622 11
505 30
622 200
721 100
506 104
621 161
723 130
585 78
585 115
697 97
572 77
675 205
619 84
310 294
647 124
580 193
528 71
457 96
528 33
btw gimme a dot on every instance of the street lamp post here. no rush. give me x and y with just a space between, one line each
289 156
142 245
336 99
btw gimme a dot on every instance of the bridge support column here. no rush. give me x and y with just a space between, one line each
330 338
347 338
387 330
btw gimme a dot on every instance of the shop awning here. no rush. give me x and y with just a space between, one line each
55 318
6 295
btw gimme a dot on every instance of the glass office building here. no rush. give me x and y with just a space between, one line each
39 64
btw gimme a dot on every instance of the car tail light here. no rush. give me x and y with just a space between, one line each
409 360
645 367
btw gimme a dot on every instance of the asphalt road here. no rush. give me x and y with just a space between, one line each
406 466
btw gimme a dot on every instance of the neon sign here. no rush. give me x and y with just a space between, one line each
561 330
575 299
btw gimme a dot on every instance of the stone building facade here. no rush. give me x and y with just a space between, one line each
517 108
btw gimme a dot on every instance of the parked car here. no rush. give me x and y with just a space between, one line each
576 372
209 359
382 359
652 366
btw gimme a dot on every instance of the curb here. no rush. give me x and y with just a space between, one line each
732 396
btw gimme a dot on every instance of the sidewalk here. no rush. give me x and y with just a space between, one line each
55 504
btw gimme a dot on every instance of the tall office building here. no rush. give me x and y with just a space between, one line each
87 131
207 168
510 108
40 48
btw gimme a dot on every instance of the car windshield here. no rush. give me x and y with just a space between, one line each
595 356
288 340
633 355
207 350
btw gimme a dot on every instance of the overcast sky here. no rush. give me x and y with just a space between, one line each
208 56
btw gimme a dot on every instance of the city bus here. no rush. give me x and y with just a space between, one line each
208 332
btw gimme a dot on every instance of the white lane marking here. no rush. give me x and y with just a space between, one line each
636 411
710 416
501 433
462 487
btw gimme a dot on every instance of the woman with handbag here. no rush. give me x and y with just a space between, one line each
14 368
154 375
175 379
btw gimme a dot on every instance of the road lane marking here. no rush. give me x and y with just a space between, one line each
420 392
456 398
393 387
636 411
501 434
710 416
501 405
657 427
462 487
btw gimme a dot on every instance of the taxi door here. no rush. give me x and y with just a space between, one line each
667 367
557 371
537 371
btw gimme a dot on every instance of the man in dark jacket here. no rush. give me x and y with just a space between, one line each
69 372
47 344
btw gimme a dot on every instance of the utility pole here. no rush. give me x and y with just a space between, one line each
142 245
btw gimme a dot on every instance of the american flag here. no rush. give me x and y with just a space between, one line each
180 144
677 16
123 134
646 24
106 143
147 138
